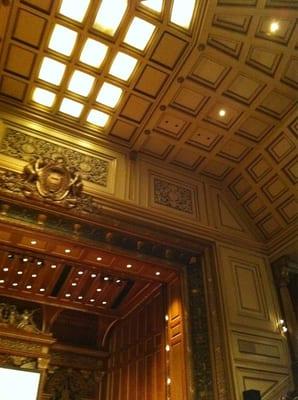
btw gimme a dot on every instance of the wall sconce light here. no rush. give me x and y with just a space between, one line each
282 326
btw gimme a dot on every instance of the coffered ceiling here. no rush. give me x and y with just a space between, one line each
213 95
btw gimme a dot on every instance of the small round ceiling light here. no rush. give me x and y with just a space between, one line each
20 272
222 112
80 297
28 287
67 251
106 278
42 289
33 242
80 272
2 281
53 266
67 294
25 259
15 284
93 275
157 273
5 269
98 289
128 266
34 275
104 302
98 258
274 26
74 284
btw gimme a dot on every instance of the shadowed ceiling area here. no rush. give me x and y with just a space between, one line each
209 90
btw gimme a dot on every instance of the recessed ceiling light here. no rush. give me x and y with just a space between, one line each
182 12
222 112
5 269
166 317
14 284
98 258
104 302
155 5
81 83
71 107
80 272
98 118
93 53
63 40
67 295
53 266
118 280
51 71
106 278
139 33
168 347
42 289
25 259
28 287
93 275
128 266
33 242
10 256
34 275
2 281
45 98
109 16
98 289
123 66
75 10
80 297
20 272
157 273
109 94
39 262
74 284
67 250
274 27
92 300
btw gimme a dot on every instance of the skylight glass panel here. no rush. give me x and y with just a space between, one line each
110 15
109 95
63 40
123 66
44 97
182 12
139 33
93 53
81 83
74 9
155 5
98 118
51 71
71 107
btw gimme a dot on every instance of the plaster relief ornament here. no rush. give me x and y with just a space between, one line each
52 180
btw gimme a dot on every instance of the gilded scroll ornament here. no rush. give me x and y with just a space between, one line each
21 320
52 180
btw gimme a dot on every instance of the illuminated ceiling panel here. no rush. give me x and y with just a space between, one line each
81 83
98 118
63 40
123 66
71 107
51 71
139 33
109 95
109 16
93 53
182 12
44 97
155 5
75 10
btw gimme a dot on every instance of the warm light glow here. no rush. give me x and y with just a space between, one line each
5 269
104 302
284 329
2 280
168 347
93 275
139 33
81 83
110 15
92 300
93 53
155 5
51 71
53 266
74 109
34 275
63 40
80 297
20 272
18 384
109 95
25 259
222 113
157 273
98 289
274 27
80 272
45 98
42 289
98 258
39 262
128 266
74 284
75 10
182 12
118 281
28 287
33 242
98 118
106 278
67 295
123 66
15 284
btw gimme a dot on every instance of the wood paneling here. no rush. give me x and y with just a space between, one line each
137 367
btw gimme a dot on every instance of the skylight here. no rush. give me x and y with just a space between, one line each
110 15
98 118
63 40
182 12
44 97
71 107
155 5
51 71
123 66
75 10
109 94
81 83
139 33
93 53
